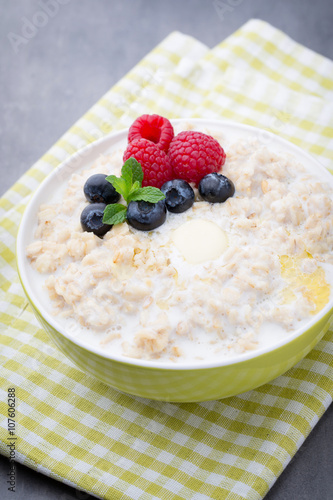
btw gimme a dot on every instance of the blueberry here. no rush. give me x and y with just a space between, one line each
146 216
179 196
216 188
92 219
98 190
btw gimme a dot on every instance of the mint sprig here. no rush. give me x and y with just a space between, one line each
148 193
115 212
129 186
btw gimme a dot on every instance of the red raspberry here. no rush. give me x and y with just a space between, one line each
194 155
155 128
154 162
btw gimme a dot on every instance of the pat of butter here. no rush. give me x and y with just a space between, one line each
199 240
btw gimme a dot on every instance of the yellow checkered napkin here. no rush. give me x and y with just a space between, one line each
76 429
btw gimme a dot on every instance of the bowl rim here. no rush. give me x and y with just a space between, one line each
22 261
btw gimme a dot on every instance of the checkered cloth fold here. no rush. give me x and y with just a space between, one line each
114 446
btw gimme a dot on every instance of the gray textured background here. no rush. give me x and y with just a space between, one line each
66 67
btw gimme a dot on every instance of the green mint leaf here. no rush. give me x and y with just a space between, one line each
130 180
133 166
120 185
115 213
127 174
129 186
134 188
148 193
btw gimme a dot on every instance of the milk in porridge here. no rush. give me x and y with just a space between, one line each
217 280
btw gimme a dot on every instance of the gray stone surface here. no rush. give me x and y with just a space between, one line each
84 49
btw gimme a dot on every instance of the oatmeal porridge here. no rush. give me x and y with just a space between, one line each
217 280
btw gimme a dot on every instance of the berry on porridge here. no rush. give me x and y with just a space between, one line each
216 188
98 190
194 155
146 216
92 219
179 195
155 162
155 128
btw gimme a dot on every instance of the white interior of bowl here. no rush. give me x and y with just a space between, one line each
56 182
